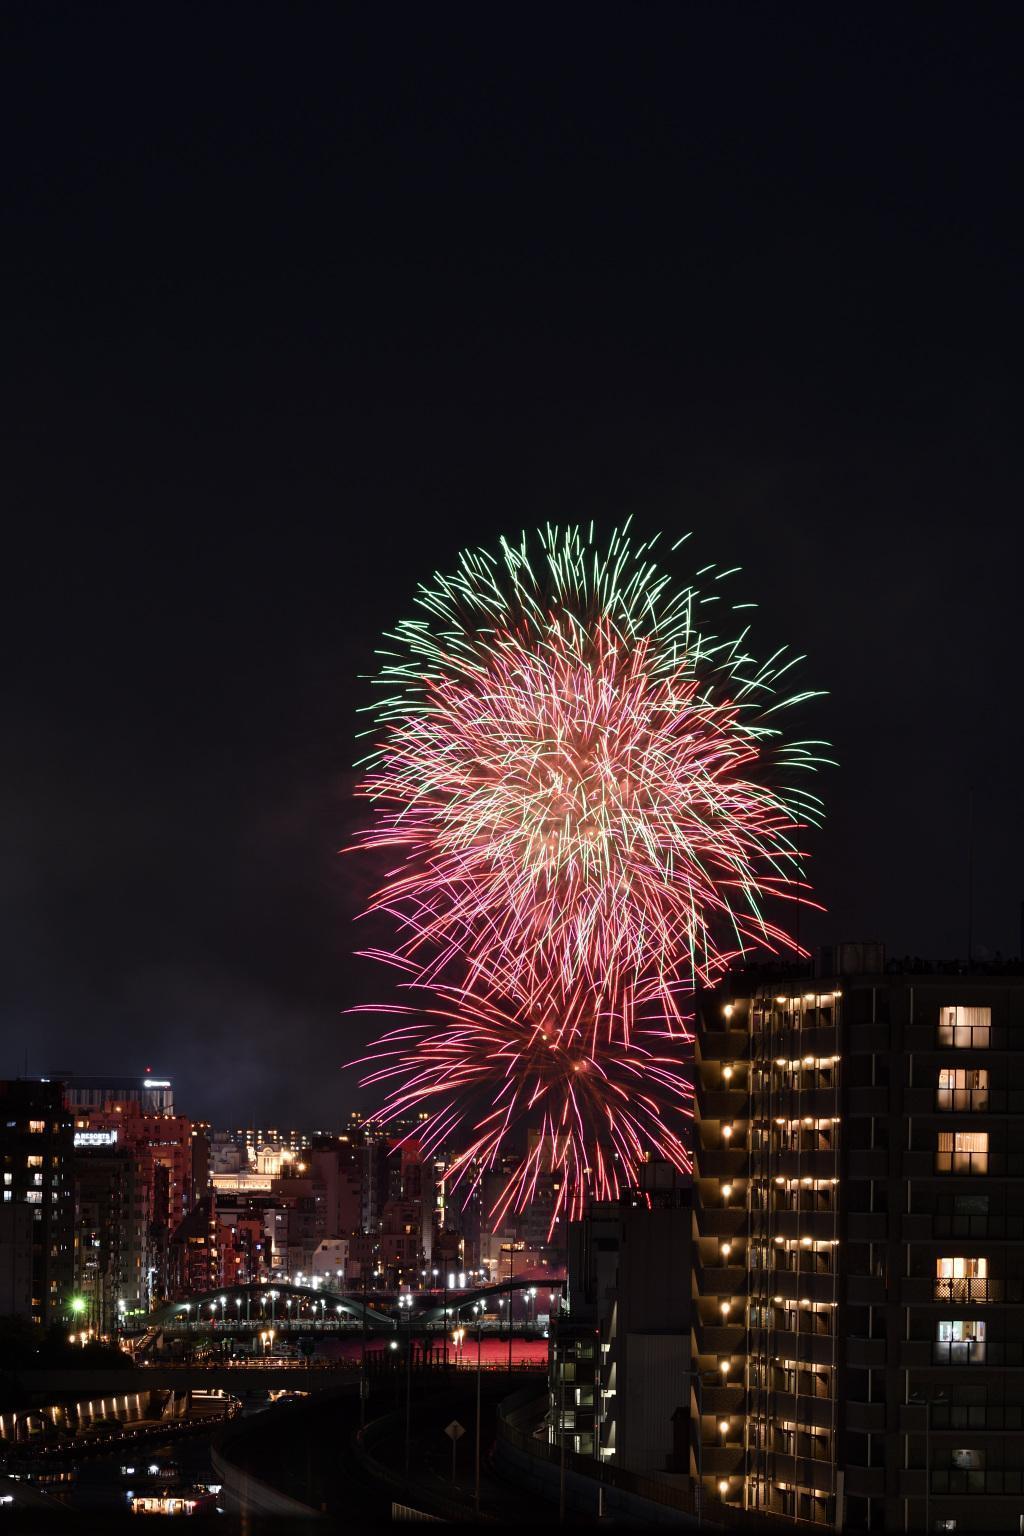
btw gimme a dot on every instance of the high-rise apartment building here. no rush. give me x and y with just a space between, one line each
859 1247
35 1157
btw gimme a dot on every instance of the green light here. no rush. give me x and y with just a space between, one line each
78 1304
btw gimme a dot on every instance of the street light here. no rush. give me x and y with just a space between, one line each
929 1403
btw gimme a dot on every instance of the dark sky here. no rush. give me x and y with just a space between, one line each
297 300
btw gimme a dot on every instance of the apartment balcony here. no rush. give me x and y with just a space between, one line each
718 1220
725 1400
865 1482
865 1354
912 1482
720 1279
821 1225
865 1291
721 1045
719 1339
869 1040
868 1163
818 1412
819 1040
918 1165
792 1284
867 1226
865 1418
917 1290
721 1460
724 1163
868 1102
821 1103
722 1103
807 1471
802 1165
917 1226
808 1348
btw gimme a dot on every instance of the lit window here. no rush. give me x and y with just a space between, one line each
962 1088
37 1127
34 1196
34 1160
962 1152
961 1279
965 1028
960 1341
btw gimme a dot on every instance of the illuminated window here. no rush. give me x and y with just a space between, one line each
960 1341
962 1152
34 1160
34 1196
962 1088
37 1127
965 1028
961 1279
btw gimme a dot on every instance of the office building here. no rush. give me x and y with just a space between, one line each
152 1093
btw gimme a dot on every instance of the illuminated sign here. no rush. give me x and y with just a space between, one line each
95 1138
156 1082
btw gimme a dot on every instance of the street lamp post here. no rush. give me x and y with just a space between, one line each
929 1404
445 1330
407 1301
479 1374
362 1359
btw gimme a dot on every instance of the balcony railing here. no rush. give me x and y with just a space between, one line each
1000 1352
964 1037
962 1480
962 1099
968 1289
961 1162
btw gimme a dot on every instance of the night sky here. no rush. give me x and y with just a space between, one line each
297 300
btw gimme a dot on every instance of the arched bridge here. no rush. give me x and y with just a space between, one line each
265 1306
255 1307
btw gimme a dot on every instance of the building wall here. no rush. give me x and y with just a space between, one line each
16 1260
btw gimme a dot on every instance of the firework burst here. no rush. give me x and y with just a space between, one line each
591 807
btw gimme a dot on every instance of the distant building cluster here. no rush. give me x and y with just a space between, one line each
113 1202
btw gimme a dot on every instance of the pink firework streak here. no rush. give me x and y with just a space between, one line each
597 1107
